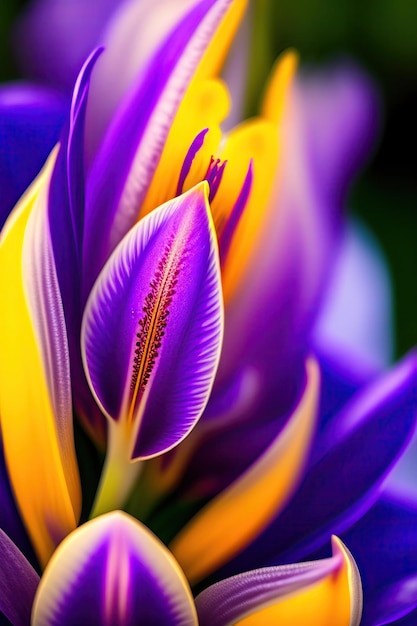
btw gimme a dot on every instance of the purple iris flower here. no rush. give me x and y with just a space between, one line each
163 279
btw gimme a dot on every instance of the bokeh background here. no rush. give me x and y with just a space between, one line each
382 36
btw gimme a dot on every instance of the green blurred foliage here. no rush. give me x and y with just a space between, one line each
382 36
9 9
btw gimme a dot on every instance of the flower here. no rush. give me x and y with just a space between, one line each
139 256
112 570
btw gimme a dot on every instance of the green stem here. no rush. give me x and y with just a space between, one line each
260 54
119 473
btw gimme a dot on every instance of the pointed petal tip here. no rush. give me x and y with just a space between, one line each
95 573
353 579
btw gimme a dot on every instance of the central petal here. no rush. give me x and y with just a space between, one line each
153 325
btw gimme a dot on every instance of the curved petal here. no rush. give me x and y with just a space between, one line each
66 220
35 394
134 142
153 325
18 583
317 593
344 481
393 602
384 542
113 570
31 119
223 527
134 35
255 139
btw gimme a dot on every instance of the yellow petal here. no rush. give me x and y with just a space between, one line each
255 139
238 514
333 601
278 87
44 479
205 105
214 57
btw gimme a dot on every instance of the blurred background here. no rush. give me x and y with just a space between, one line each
382 36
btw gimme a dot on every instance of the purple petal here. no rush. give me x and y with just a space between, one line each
351 470
133 35
222 527
45 304
66 223
135 139
384 542
230 601
344 482
18 583
68 180
394 601
31 119
152 327
236 428
113 571
36 402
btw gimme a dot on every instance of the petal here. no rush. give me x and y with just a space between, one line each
134 142
318 593
134 35
384 542
223 527
31 119
112 571
255 139
66 222
204 106
35 393
18 583
153 325
343 482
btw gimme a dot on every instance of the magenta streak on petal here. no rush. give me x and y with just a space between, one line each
196 145
214 176
152 326
226 235
113 571
117 581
